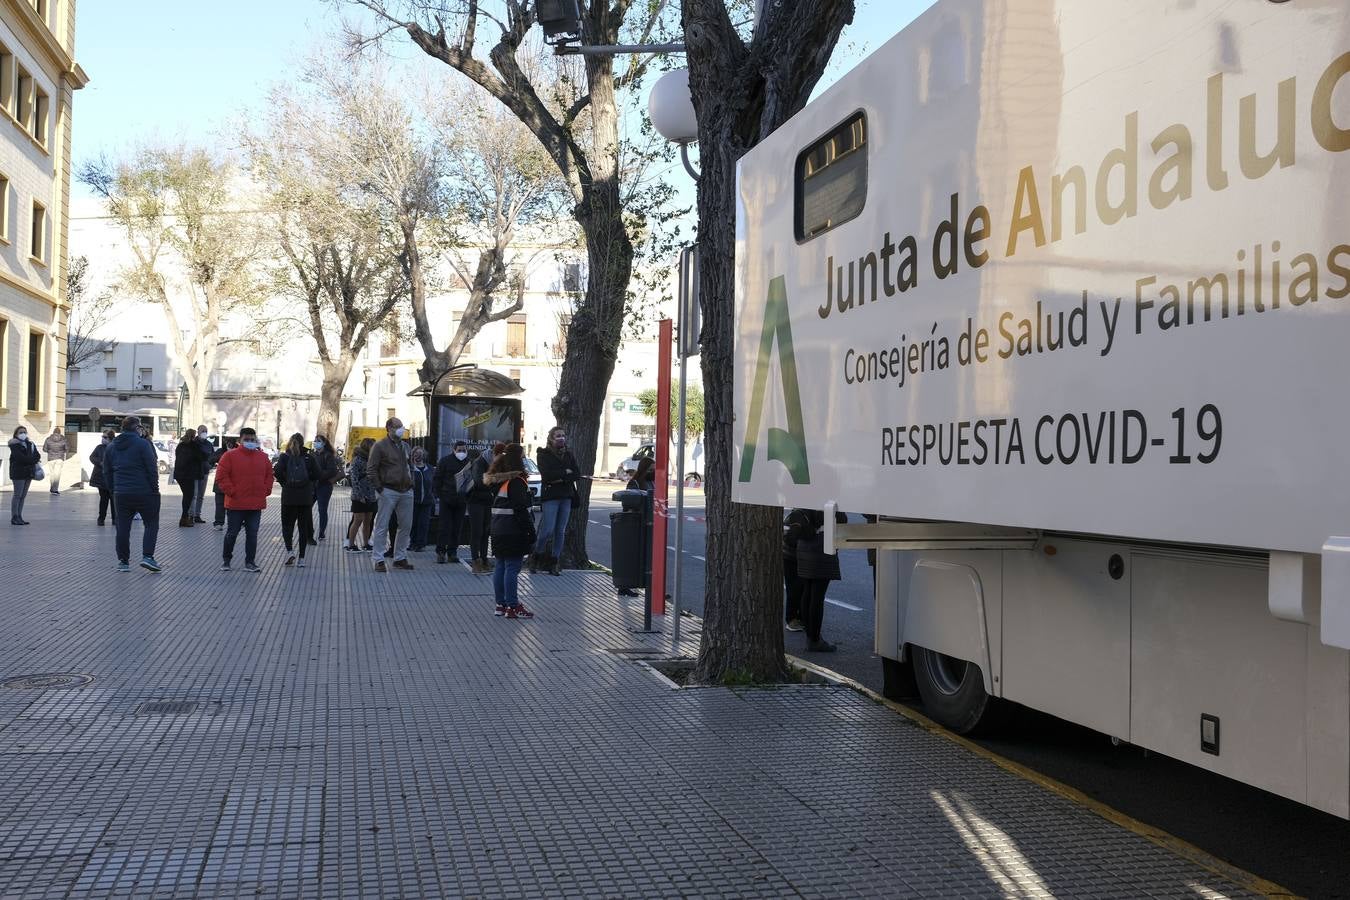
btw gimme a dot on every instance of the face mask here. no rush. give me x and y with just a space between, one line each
560 441
398 432
318 445
107 440
250 445
461 455
22 435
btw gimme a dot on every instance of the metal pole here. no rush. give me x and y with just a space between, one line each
679 495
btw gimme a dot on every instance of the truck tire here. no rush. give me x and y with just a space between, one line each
897 679
953 693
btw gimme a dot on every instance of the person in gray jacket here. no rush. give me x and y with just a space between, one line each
56 448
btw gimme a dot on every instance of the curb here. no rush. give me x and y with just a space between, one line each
1157 836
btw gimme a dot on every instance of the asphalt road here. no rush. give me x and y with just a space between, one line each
1277 839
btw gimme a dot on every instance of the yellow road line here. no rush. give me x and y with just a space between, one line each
1169 842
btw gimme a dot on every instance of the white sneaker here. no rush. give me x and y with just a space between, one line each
300 563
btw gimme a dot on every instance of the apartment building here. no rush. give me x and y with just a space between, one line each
38 78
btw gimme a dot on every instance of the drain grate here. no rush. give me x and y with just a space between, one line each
177 707
47 681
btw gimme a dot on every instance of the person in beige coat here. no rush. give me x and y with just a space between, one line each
390 472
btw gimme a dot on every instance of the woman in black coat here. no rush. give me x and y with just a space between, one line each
815 570
189 460
23 462
298 473
513 533
97 479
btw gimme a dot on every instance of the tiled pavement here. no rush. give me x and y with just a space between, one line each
363 735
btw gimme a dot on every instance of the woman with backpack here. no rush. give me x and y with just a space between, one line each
513 531
98 480
189 460
364 499
297 473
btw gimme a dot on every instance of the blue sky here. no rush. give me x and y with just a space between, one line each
165 74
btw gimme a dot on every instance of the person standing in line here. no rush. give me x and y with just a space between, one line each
513 532
816 569
796 527
99 481
390 472
57 449
298 473
132 473
245 477
424 499
208 463
329 473
23 462
558 471
219 518
188 464
451 492
364 499
479 500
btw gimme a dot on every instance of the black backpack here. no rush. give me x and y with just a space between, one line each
296 477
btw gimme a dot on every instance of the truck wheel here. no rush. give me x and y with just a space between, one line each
953 693
897 679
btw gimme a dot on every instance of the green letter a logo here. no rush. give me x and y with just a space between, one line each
788 447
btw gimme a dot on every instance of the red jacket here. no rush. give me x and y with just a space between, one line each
245 478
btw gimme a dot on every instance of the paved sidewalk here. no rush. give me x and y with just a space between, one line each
346 734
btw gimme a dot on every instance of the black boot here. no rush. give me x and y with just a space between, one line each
554 565
534 563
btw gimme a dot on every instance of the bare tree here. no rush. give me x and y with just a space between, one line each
743 87
192 251
574 115
337 251
89 316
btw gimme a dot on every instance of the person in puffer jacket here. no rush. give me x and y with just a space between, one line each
245 478
513 532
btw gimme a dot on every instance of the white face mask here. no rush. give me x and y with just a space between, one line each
461 455
250 445
398 432
22 435
107 440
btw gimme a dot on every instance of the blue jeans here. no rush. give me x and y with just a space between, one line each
553 526
249 520
323 492
504 578
21 486
127 505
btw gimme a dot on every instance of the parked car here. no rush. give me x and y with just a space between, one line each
163 457
629 465
532 476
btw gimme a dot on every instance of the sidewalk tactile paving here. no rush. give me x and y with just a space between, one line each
362 735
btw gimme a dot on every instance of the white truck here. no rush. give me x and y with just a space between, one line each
1060 291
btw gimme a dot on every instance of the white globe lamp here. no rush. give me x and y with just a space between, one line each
671 108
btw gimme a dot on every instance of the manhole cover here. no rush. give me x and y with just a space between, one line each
176 707
47 681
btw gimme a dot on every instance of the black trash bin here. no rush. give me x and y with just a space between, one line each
629 538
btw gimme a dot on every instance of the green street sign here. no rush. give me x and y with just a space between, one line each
619 405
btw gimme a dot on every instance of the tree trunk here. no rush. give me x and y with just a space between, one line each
335 375
198 381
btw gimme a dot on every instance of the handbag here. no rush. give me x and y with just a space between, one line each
38 474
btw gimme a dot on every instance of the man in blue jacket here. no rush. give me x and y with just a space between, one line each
130 470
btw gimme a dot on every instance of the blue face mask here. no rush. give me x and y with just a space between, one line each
250 445
318 445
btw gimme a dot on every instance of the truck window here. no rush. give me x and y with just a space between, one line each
831 179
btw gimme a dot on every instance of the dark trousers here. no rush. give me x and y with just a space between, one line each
813 606
322 494
248 519
220 508
189 488
480 519
421 524
792 586
447 538
127 506
106 505
291 516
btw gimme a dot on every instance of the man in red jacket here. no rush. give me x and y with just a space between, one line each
244 476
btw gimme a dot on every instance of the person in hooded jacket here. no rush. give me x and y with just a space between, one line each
297 472
446 484
558 471
329 473
23 462
98 481
513 532
132 473
424 500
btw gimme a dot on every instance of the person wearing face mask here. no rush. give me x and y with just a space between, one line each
328 476
453 495
245 478
424 499
23 462
390 473
132 472
558 472
99 481
208 463
56 448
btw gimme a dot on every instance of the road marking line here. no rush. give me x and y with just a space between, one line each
842 605
699 558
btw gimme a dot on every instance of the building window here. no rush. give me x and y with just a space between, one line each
4 209
572 277
147 379
7 72
515 336
388 383
4 364
514 375
560 345
23 96
389 346
110 379
37 366
260 379
39 235
218 380
390 413
40 106
831 179
107 356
